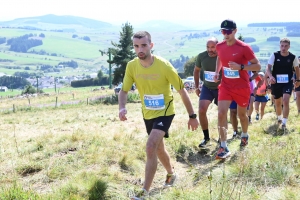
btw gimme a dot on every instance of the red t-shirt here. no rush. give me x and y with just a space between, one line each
240 53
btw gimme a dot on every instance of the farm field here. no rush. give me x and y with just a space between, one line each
170 45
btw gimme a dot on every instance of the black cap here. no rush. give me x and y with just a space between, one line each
228 24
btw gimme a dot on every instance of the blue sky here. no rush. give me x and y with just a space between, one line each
137 11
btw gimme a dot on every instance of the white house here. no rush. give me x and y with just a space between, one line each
93 75
3 88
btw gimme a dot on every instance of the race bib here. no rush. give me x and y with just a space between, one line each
209 76
228 73
282 78
154 102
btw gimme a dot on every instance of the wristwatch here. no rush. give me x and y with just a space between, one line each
242 67
193 116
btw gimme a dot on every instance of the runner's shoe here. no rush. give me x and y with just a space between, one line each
204 143
250 121
143 194
170 180
223 153
279 121
244 141
283 126
234 134
257 116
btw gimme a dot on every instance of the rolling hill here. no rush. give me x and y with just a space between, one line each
171 40
58 20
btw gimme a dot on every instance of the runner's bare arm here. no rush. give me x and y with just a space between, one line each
196 79
217 72
122 103
269 73
255 74
196 76
297 71
253 66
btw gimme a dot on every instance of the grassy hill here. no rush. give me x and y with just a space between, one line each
170 40
60 20
84 152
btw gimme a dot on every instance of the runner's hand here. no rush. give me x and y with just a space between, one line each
216 78
122 114
296 84
197 91
234 65
193 124
272 80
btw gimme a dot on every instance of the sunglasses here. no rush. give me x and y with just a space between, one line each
226 32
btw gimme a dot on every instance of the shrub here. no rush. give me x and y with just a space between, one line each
29 89
17 192
249 39
98 190
273 38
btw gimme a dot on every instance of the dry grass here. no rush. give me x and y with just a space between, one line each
70 151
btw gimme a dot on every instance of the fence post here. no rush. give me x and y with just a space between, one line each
56 101
87 101
14 108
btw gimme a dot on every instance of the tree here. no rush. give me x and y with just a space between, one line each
241 38
189 66
2 40
255 48
122 53
100 75
29 89
86 38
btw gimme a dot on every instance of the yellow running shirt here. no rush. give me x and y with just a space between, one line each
154 86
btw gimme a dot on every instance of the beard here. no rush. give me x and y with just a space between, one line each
142 56
212 53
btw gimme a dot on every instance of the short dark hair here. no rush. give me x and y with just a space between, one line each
286 40
141 34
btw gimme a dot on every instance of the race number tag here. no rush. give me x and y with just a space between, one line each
154 102
282 78
228 73
209 76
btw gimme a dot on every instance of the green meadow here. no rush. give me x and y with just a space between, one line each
170 45
81 152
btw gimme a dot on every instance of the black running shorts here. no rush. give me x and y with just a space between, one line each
161 123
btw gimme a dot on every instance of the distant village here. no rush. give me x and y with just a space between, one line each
45 82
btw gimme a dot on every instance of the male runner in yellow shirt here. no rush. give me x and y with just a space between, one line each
153 77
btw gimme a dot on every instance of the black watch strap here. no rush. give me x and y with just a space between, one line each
193 116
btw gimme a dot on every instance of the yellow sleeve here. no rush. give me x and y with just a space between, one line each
174 78
128 79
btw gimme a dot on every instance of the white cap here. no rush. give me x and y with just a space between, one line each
261 73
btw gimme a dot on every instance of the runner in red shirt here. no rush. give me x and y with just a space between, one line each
233 58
